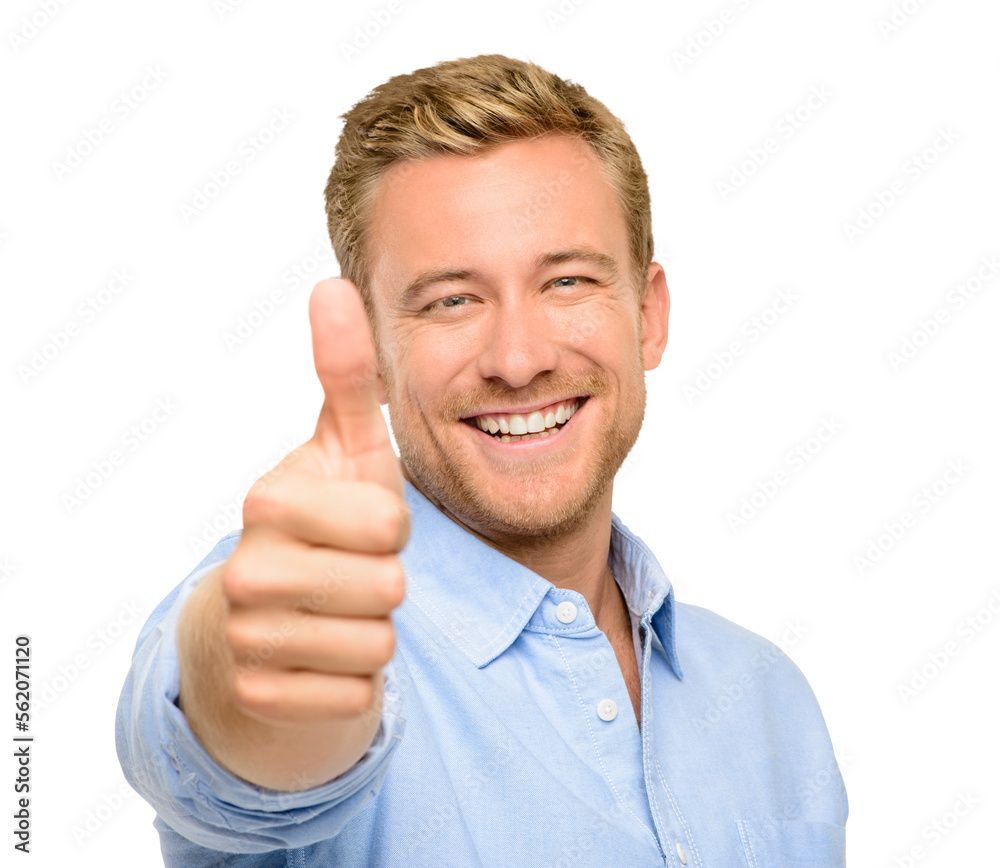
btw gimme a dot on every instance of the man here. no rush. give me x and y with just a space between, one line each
463 657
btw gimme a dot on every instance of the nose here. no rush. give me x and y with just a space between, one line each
518 345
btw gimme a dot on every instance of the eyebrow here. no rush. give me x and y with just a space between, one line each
422 281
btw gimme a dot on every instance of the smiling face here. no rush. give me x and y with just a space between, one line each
512 342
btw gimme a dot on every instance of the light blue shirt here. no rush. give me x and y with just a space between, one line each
508 737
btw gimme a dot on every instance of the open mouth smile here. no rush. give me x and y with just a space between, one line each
541 422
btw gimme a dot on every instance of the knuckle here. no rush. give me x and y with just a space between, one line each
389 521
237 584
361 696
381 643
247 579
254 693
391 583
240 636
263 504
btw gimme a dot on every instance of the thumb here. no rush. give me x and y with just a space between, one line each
351 429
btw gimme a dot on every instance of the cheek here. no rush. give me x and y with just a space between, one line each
599 331
441 354
587 324
428 366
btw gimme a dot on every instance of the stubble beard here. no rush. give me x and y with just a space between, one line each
450 479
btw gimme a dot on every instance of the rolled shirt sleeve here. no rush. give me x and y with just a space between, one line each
192 793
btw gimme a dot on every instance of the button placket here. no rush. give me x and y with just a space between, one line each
596 676
663 809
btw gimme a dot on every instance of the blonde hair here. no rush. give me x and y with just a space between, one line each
469 106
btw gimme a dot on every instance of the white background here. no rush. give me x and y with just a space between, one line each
75 574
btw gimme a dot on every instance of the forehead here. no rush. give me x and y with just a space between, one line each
493 213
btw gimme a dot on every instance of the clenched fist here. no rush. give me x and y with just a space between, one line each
286 640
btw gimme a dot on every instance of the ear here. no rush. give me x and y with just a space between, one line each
653 314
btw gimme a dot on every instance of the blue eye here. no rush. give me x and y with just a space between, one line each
559 281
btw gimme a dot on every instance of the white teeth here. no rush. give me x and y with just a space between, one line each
507 438
516 426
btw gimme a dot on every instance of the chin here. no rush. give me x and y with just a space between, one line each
533 502
471 497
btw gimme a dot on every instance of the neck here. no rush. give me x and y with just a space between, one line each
575 559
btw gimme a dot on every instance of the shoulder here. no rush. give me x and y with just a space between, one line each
747 701
713 647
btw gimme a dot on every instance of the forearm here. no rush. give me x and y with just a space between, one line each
279 756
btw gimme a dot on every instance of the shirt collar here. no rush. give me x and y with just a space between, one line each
482 599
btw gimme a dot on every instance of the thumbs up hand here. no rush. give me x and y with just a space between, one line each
317 563
305 600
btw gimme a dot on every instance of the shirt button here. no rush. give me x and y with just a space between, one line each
680 852
566 612
607 709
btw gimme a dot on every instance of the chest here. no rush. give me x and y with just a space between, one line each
627 663
516 757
